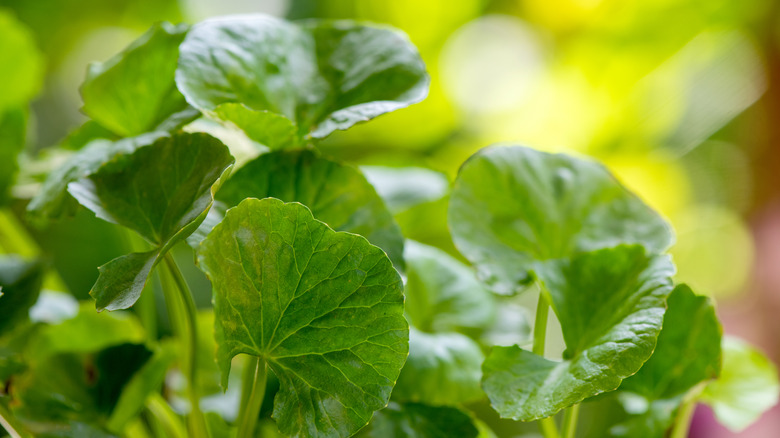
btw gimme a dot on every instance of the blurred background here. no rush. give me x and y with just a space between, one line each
680 98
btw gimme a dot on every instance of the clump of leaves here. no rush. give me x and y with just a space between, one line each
326 321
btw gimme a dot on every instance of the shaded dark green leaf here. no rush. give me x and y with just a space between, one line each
414 420
163 192
442 369
610 304
53 200
324 309
320 75
134 91
337 194
513 208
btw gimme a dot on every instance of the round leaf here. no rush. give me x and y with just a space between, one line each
513 207
324 309
414 420
321 76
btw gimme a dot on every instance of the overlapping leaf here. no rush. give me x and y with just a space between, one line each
687 353
53 200
512 208
134 92
337 194
318 75
610 304
405 187
324 309
161 191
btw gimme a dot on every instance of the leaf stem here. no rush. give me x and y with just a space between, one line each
684 417
163 414
248 417
196 420
546 425
570 421
146 306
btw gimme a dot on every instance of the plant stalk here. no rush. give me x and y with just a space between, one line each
570 421
197 422
162 413
546 425
248 417
9 423
684 417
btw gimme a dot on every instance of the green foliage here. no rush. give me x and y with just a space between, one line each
610 304
323 308
514 208
161 191
320 76
333 322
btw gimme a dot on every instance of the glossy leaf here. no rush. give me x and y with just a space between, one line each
161 191
405 187
53 200
442 369
414 420
687 353
324 309
442 294
13 126
747 387
337 194
134 91
320 75
610 304
513 208
265 127
20 285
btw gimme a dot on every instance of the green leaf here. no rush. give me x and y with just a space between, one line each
20 283
22 73
688 349
91 130
265 127
320 75
687 353
324 309
337 194
13 126
747 387
442 294
513 208
53 200
161 191
610 304
405 187
414 420
134 91
442 369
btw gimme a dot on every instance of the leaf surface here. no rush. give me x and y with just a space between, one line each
22 73
415 420
747 386
688 352
320 75
442 294
513 208
442 369
336 193
162 191
134 91
324 309
610 304
13 126
405 187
